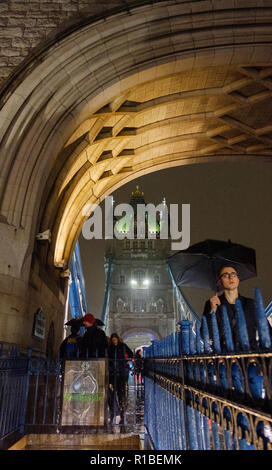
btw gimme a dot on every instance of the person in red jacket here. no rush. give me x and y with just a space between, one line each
94 341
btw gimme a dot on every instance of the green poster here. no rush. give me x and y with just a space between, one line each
85 392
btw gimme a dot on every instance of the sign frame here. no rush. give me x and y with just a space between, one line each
39 324
85 392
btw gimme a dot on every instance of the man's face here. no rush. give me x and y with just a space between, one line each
229 279
87 324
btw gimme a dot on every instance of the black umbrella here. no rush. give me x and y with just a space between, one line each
200 264
78 322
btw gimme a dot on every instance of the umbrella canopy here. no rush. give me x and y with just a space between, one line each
200 264
78 322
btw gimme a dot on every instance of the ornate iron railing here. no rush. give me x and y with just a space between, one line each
105 309
31 393
198 398
195 396
13 391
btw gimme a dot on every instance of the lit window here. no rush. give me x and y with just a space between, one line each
139 276
139 305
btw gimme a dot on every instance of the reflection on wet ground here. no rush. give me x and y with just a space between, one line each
134 413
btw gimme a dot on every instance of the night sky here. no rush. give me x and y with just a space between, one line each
228 201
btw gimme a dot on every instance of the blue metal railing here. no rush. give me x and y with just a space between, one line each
31 391
213 400
14 378
77 293
186 312
195 396
105 309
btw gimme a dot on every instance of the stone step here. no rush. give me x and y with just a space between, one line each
78 442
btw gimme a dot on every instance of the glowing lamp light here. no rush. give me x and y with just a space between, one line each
146 282
133 282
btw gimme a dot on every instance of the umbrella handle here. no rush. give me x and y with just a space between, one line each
214 302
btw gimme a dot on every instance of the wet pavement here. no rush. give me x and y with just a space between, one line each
134 413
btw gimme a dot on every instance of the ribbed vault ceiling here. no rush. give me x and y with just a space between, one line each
216 112
159 84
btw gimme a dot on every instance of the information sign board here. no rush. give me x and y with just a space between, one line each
85 392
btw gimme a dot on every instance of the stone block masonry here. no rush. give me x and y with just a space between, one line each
26 25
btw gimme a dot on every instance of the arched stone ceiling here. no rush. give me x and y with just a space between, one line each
157 85
176 119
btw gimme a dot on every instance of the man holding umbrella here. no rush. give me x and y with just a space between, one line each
219 265
228 280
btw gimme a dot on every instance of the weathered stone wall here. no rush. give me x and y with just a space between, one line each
29 24
19 300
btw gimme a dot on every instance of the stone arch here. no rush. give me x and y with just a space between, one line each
140 335
61 92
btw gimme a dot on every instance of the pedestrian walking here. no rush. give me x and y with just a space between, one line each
119 353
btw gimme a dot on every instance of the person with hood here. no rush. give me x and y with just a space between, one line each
69 347
119 353
94 341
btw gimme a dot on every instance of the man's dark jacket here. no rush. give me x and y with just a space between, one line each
250 317
93 343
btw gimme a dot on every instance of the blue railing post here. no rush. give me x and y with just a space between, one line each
185 337
207 442
263 328
199 347
192 431
176 344
206 338
25 398
192 338
242 325
227 330
199 429
183 424
215 334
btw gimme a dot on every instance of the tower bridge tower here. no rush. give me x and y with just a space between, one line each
140 296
